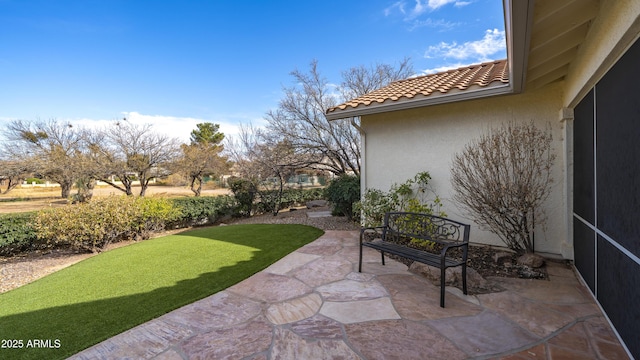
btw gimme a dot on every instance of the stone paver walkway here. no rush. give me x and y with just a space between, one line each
313 304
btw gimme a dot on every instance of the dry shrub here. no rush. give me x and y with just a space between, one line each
93 225
502 180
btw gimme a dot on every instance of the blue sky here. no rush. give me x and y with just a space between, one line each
176 63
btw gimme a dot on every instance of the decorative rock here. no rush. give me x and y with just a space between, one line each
532 260
316 203
318 214
453 276
502 257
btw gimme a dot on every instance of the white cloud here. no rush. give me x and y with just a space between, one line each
172 126
478 51
435 4
442 24
179 127
398 5
421 7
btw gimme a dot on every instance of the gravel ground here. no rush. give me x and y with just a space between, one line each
20 270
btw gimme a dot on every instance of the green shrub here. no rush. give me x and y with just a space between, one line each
93 225
301 196
34 180
245 193
17 234
201 210
268 201
290 197
154 214
414 195
342 193
375 203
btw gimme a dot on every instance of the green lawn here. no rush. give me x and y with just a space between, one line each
107 294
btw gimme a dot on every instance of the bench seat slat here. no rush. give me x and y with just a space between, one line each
413 254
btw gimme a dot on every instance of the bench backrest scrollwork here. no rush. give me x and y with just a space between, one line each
422 226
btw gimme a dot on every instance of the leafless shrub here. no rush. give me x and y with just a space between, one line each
503 178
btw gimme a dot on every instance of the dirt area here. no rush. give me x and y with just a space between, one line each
35 198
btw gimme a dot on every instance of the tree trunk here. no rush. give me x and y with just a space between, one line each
65 188
196 190
12 184
125 182
278 201
143 187
85 190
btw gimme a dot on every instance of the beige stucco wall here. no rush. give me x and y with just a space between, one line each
400 144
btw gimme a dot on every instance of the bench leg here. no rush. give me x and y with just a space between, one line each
442 278
382 255
360 261
464 278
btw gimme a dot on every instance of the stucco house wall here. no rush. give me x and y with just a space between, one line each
400 144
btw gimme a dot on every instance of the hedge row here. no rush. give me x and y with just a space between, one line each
202 210
290 197
93 225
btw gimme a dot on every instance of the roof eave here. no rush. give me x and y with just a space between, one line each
415 103
518 15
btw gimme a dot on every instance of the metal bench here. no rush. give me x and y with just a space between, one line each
400 228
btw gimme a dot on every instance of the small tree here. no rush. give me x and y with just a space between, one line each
14 172
130 152
53 147
503 178
202 156
267 160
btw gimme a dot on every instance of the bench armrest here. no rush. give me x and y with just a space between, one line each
447 247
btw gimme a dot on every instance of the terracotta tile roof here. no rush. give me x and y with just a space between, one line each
452 81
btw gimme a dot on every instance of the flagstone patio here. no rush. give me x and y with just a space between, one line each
313 304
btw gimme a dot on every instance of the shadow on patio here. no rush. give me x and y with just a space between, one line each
313 304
